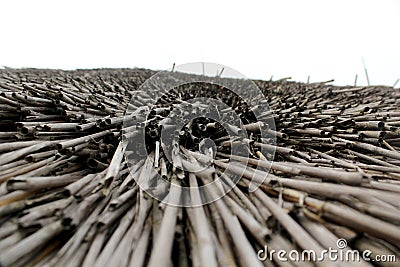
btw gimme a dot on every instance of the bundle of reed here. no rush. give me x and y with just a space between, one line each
69 195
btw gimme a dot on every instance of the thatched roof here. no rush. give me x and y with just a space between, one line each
68 197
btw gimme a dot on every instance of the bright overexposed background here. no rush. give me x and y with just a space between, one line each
321 39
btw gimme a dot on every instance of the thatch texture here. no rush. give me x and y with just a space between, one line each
68 198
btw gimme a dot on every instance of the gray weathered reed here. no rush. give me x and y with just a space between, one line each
68 193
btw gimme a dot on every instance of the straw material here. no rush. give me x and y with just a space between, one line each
69 196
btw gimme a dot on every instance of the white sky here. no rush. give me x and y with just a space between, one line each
323 39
